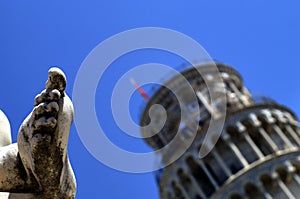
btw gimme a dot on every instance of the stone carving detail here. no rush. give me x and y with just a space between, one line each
38 164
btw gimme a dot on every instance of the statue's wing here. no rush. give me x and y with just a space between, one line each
5 135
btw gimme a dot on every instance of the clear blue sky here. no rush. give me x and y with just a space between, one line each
259 38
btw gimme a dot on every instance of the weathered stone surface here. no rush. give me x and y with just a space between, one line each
5 195
38 163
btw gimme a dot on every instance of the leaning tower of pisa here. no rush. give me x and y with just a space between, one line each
257 154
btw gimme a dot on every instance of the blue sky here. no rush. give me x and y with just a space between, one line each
258 38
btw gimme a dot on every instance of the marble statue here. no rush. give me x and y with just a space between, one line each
38 163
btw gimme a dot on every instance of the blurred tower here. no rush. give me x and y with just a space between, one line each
256 156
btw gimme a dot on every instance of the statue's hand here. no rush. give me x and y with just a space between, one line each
44 116
43 136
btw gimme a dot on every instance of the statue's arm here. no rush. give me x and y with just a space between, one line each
13 177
